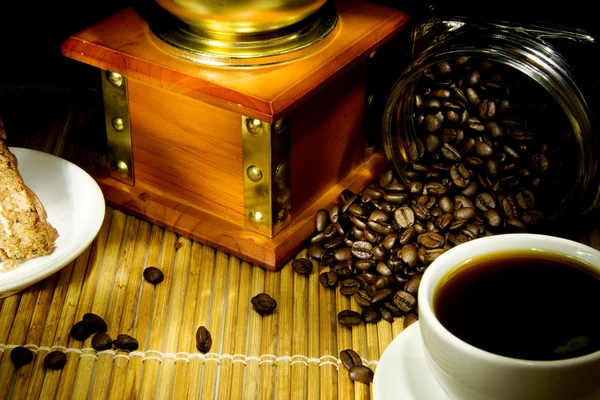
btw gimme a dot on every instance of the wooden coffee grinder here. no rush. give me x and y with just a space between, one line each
234 126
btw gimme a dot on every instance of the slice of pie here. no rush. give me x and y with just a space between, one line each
24 231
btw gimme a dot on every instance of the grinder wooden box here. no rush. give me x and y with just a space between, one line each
238 158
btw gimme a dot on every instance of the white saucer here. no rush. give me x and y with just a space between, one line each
75 207
403 373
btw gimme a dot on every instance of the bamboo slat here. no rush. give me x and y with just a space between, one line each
344 341
327 343
285 332
254 338
300 329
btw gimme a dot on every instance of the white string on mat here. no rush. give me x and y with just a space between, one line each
185 356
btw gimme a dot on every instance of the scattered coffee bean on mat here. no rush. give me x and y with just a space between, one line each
350 358
263 303
81 331
361 373
349 318
21 356
95 322
102 341
55 360
203 340
302 266
126 342
153 275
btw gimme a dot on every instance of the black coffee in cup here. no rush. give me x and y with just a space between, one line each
531 306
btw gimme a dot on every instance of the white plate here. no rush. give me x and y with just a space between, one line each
75 207
403 373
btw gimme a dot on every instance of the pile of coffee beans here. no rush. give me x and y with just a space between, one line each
483 127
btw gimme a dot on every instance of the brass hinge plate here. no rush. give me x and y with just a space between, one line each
118 128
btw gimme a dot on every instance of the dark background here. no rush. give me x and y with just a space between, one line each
31 34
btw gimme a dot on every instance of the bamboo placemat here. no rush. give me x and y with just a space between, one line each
292 353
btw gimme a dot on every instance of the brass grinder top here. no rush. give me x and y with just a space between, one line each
241 33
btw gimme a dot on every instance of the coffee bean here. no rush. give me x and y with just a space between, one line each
431 240
386 314
415 187
263 304
432 123
509 206
432 142
315 251
55 360
371 314
382 295
362 250
460 175
465 213
484 201
203 340
153 275
381 227
322 220
532 217
493 218
101 341
303 266
80 331
450 153
487 109
416 150
21 356
126 342
427 256
361 373
349 286
408 235
525 199
404 216
383 269
386 178
349 318
472 96
334 213
350 358
412 286
95 322
362 298
494 129
435 188
483 150
328 279
405 301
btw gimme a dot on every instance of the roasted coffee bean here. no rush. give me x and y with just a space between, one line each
390 241
449 135
427 256
322 220
525 199
318 238
386 178
432 123
386 314
334 213
263 304
395 197
405 301
80 331
303 266
446 204
404 216
126 342
436 212
416 150
349 286
328 279
415 187
55 360
487 109
419 229
435 188
412 286
521 134
472 231
373 193
532 217
408 235
381 227
472 96
450 153
333 243
441 93
364 265
484 201
457 224
483 150
383 269
464 213
361 373
492 167
203 340
494 129
493 218
382 282
349 318
444 221
350 358
421 212
362 298
515 224
371 314
102 341
431 240
345 195
362 250
410 319
382 295
509 206
153 275
21 356
432 142
460 175
95 322
470 190
315 251
394 264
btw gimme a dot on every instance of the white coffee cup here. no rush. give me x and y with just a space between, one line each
468 373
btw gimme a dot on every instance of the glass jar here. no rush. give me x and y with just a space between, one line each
535 94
